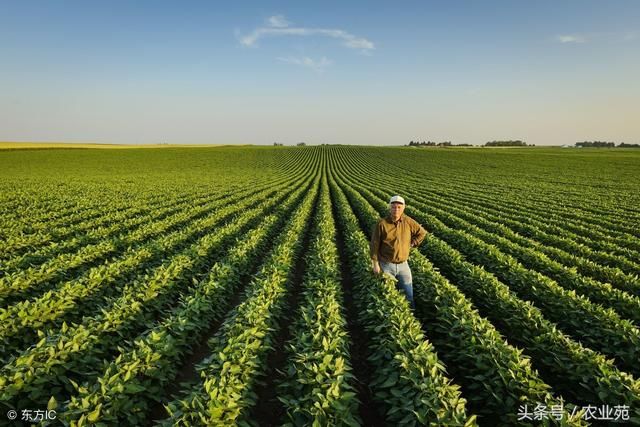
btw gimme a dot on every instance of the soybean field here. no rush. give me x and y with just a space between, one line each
233 286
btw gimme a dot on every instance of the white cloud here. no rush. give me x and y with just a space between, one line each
279 26
601 37
277 21
305 61
571 38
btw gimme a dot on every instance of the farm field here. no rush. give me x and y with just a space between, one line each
232 285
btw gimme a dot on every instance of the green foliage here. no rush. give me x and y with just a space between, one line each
318 389
239 349
409 382
114 265
507 143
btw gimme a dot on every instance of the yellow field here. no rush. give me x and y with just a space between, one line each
6 145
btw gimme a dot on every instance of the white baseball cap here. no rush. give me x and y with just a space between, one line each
396 199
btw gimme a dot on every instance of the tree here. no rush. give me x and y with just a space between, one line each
585 144
507 143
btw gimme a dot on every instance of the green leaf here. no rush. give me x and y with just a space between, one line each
95 414
52 404
393 378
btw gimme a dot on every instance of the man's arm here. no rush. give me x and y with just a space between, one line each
374 248
418 234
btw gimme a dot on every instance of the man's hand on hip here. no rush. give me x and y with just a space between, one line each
376 267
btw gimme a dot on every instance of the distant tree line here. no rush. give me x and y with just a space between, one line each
606 144
509 143
429 144
436 144
595 144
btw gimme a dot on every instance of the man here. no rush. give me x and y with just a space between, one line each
391 240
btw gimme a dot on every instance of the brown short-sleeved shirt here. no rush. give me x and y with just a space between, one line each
392 241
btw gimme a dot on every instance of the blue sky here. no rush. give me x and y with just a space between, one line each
548 72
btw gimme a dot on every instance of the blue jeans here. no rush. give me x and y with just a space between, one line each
402 273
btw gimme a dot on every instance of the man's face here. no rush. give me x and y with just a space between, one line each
396 209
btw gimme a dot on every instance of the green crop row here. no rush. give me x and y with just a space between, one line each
575 371
102 223
555 236
46 235
409 381
56 222
473 178
92 230
519 219
514 205
599 328
498 378
21 321
318 389
116 267
544 217
239 349
28 282
572 224
79 347
498 234
626 305
476 215
114 226
136 378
